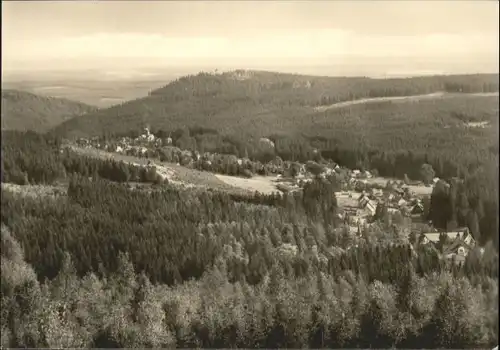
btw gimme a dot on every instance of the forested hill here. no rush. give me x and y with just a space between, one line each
26 111
257 102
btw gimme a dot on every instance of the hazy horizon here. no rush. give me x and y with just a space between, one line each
372 38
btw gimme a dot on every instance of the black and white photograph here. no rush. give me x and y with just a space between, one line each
299 174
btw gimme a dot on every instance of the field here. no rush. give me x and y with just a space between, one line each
263 184
35 190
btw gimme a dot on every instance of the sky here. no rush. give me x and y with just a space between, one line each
416 36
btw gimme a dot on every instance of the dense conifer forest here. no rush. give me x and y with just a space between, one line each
111 265
256 103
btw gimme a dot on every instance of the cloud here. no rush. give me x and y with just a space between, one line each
312 44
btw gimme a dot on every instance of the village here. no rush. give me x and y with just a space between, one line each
362 198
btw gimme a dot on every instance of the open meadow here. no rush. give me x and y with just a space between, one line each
263 184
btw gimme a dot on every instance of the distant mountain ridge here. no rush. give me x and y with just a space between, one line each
256 102
26 111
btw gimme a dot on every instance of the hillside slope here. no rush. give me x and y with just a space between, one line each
256 103
26 111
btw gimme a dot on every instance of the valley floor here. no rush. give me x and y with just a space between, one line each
186 177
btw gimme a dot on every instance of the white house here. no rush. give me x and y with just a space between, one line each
469 239
371 206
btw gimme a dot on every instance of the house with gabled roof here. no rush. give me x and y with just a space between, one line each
462 235
371 206
457 251
458 247
417 208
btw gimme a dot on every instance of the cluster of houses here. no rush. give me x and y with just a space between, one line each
407 205
393 200
147 145
89 143
126 145
454 245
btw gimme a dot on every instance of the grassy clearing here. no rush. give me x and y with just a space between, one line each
36 190
198 178
414 98
263 184
379 99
